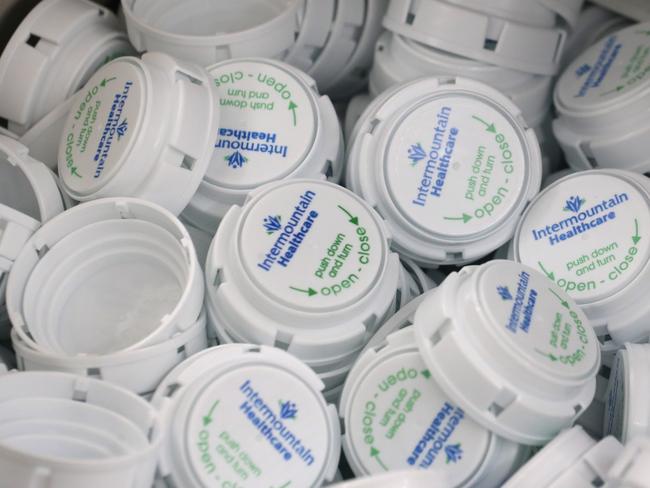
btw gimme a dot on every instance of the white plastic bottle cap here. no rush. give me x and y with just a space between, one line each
633 9
246 415
140 370
27 185
355 107
588 233
627 408
105 276
116 144
7 133
593 24
305 265
64 431
592 419
56 48
450 164
316 19
510 348
399 479
531 12
353 76
396 417
632 468
274 125
399 59
43 138
209 32
478 35
601 100
571 459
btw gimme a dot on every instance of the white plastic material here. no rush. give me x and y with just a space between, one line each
570 460
7 133
54 51
316 18
274 125
105 276
303 265
632 468
257 405
140 370
531 12
510 348
602 99
43 138
209 32
399 59
395 417
141 128
355 107
593 24
63 431
627 409
449 163
635 9
399 479
589 232
483 36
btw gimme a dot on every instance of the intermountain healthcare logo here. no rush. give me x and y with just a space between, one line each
288 410
122 128
454 453
521 314
574 204
236 160
504 293
272 223
416 153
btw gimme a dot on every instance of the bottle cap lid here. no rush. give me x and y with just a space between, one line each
59 45
209 32
396 417
511 348
110 147
57 286
631 469
586 233
261 405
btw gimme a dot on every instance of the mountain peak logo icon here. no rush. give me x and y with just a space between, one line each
272 223
504 292
454 453
288 410
236 160
416 153
122 129
574 204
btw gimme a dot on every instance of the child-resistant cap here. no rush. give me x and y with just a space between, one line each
483 36
631 469
304 264
139 370
627 406
140 128
54 51
105 276
511 348
64 431
399 59
209 32
395 417
273 125
449 163
588 233
246 415
601 100
572 459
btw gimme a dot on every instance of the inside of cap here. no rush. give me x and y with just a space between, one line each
15 189
207 17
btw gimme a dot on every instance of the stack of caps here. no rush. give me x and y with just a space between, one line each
64 431
111 289
245 415
29 196
449 163
331 40
602 99
273 125
480 375
304 266
54 51
588 233
513 45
